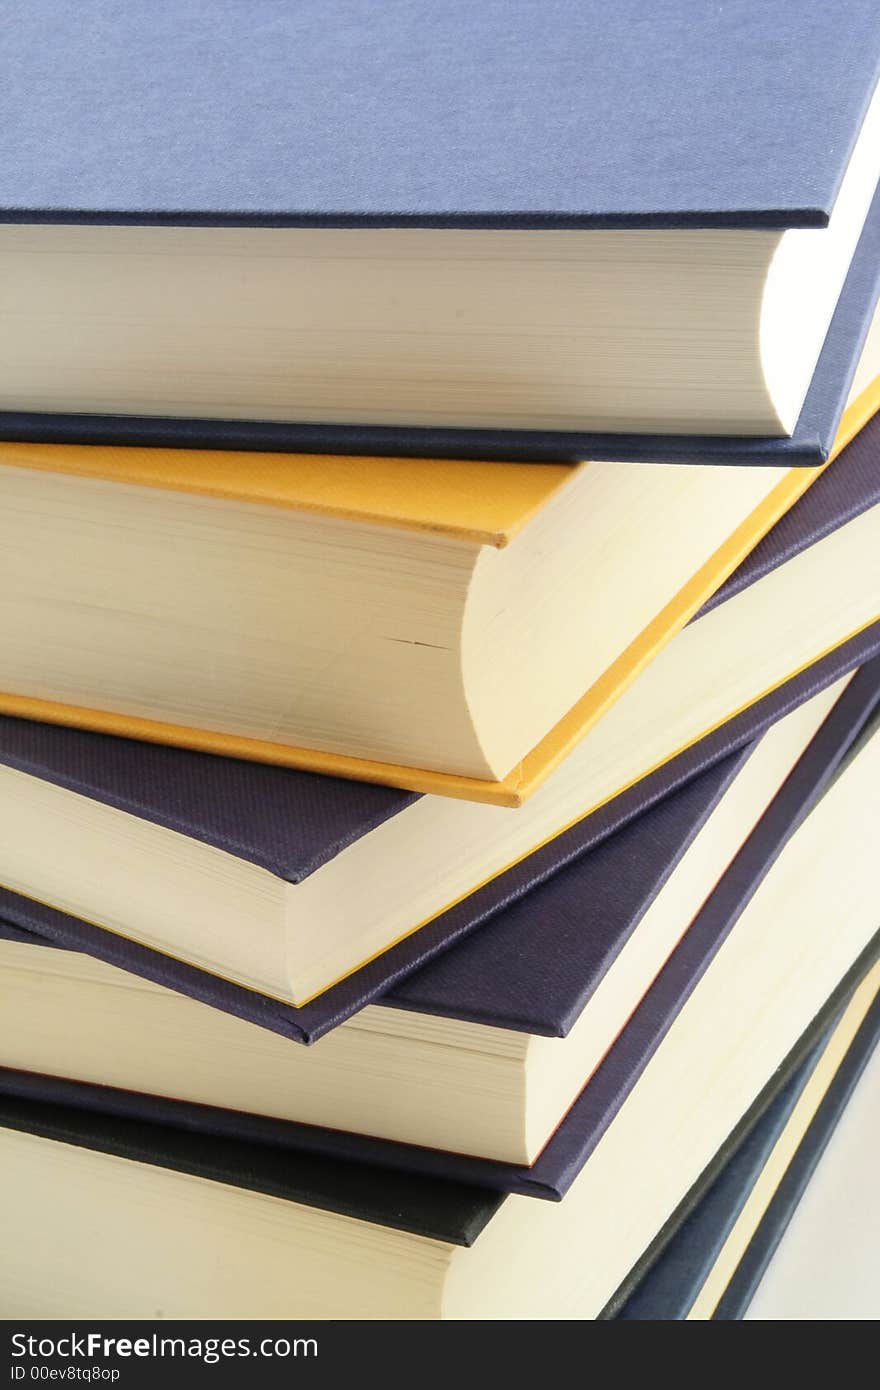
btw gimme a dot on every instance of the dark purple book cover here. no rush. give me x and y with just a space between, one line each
232 791
565 934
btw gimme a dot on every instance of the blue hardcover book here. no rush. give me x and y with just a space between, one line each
717 1244
466 1069
512 231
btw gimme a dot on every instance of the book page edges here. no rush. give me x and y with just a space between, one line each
514 789
300 1002
483 503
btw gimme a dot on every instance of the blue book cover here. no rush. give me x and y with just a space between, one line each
573 114
507 116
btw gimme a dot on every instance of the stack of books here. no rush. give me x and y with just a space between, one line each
439 751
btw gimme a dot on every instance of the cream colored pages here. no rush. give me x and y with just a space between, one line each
810 918
826 1267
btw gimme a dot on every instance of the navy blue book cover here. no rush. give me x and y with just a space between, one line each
418 114
491 977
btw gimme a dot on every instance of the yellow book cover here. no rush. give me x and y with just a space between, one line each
486 503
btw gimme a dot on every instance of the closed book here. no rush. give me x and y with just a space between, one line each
285 825
710 1264
475 1060
431 234
782 1207
443 627
202 841
210 1226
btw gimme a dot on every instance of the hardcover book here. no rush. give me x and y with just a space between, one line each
717 1246
221 1228
265 833
485 1051
426 637
201 841
425 204
798 1266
